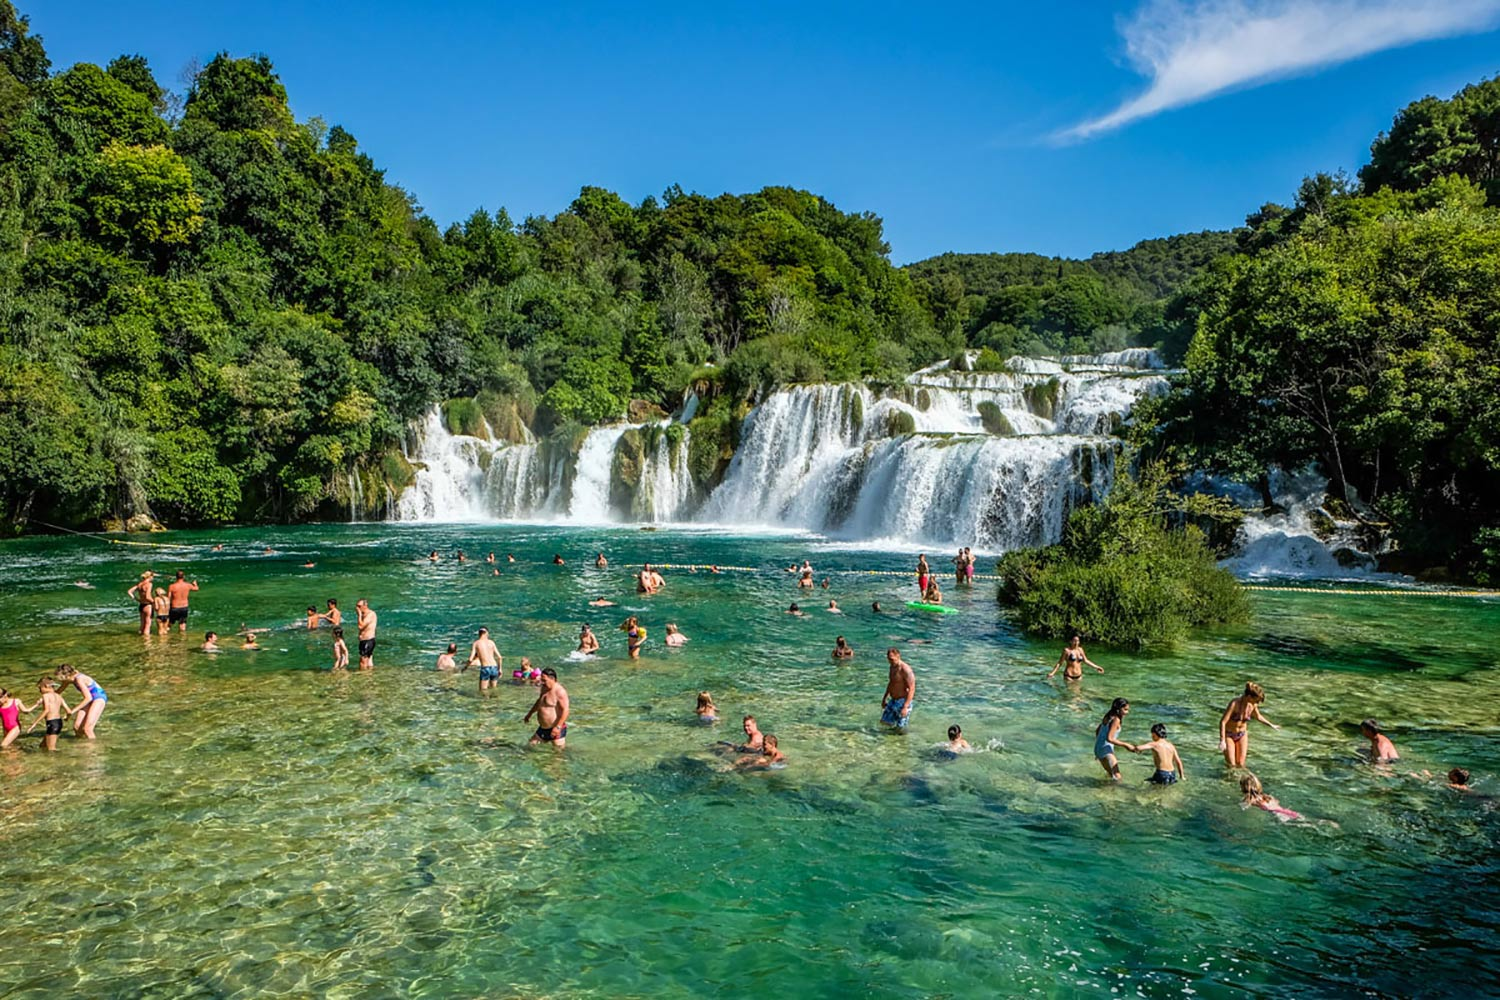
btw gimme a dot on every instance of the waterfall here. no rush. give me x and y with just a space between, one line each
1298 536
992 459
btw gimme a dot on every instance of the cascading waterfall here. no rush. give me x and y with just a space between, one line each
992 459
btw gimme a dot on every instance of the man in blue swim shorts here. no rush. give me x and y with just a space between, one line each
900 691
484 655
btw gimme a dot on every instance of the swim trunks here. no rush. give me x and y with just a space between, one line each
892 715
489 673
54 727
1163 778
366 648
177 616
544 734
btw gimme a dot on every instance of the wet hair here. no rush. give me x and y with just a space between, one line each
1116 711
210 636
1457 776
483 630
1371 725
1250 785
66 672
181 574
1254 692
1159 730
312 610
452 647
4 692
954 732
333 603
47 684
705 700
1075 637
769 743
547 672
875 606
840 641
748 718
794 607
338 633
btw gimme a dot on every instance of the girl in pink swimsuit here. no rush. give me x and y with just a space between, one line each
1256 796
10 717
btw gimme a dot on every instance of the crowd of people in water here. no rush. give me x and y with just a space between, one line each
170 606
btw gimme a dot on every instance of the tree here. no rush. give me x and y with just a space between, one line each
142 197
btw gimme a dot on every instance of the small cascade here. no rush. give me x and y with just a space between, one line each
595 471
1298 536
450 473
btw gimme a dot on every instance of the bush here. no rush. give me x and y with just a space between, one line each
994 419
1127 572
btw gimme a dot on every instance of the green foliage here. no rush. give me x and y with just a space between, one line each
464 416
994 419
143 197
1432 138
1128 572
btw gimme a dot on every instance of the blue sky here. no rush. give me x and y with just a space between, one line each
1060 129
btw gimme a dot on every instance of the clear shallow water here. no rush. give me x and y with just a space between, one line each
249 825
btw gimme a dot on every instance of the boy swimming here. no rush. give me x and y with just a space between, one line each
956 741
448 660
1382 750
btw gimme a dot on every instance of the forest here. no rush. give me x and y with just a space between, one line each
215 312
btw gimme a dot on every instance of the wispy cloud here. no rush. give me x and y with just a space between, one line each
1193 49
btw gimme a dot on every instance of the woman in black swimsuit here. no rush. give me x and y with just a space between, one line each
1072 660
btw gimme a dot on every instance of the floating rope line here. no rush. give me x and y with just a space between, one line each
1386 592
112 541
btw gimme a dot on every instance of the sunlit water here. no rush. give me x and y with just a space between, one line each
250 825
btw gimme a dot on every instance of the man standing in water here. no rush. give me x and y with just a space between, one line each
900 691
366 619
484 653
177 614
551 711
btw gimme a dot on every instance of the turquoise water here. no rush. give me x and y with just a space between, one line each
250 825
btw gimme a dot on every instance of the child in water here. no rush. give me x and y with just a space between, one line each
1382 750
163 608
1169 769
674 637
1107 737
956 741
448 660
210 642
706 710
54 710
340 650
1256 796
769 754
526 673
313 618
10 717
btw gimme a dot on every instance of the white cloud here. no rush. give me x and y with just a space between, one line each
1194 49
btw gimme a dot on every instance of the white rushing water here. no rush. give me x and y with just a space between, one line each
1297 536
994 460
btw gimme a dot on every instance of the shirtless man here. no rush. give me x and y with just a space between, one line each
842 650
600 561
551 711
484 655
645 581
178 592
900 691
366 619
754 741
588 643
334 616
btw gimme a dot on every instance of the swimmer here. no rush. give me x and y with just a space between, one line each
842 650
706 711
833 607
449 659
484 655
1072 660
1234 724
10 718
86 713
714 570
161 606
645 580
83 585
494 572
600 561
956 741
933 594
313 618
601 602
1458 780
588 642
557 560
826 583
1169 769
433 556
1106 738
551 711
250 642
754 740
1382 750
769 754
794 610
806 582
509 557
1256 796
635 636
490 558
218 548
333 615
340 651
527 674
674 637
461 557
142 594
308 565
900 691
268 551
54 710
210 642
875 607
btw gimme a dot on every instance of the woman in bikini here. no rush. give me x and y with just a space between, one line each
1234 724
1072 660
142 594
